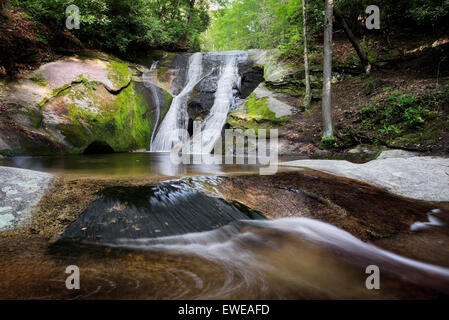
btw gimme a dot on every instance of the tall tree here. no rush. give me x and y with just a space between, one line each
308 96
328 129
357 47
3 4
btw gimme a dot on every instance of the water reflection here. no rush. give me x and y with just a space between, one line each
124 165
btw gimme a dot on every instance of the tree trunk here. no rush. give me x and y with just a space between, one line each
328 129
189 21
3 4
308 96
358 48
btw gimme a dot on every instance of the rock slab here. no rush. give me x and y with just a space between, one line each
421 178
20 192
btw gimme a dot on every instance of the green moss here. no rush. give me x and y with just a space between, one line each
40 80
161 72
119 73
258 109
168 100
92 85
35 118
257 116
121 121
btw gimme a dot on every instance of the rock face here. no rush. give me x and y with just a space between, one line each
170 72
421 178
65 106
271 104
20 192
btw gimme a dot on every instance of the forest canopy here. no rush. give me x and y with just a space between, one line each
122 26
268 24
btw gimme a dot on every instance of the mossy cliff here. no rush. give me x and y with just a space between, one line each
65 106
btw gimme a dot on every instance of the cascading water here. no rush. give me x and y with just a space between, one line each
224 99
176 117
154 93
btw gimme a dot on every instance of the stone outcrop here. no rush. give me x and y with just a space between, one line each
421 178
66 105
20 192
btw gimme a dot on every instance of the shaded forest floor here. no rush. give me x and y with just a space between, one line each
26 44
403 103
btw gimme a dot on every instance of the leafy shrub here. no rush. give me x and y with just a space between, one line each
397 112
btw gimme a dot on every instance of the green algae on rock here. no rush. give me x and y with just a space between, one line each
66 105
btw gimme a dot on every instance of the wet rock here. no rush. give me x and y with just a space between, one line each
65 105
161 210
20 192
252 77
421 178
171 72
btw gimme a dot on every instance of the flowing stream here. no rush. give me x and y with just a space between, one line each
183 238
180 239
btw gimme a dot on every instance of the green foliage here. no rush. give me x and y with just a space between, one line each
256 24
124 26
398 112
398 13
269 24
329 143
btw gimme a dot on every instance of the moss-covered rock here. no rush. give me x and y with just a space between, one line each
260 111
66 105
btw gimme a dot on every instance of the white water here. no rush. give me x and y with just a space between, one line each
157 103
254 250
224 100
176 118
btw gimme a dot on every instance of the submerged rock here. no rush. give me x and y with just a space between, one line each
161 210
20 192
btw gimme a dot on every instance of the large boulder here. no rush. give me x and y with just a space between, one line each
421 178
66 105
263 109
20 192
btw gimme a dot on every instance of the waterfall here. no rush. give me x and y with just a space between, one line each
177 117
155 96
224 98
